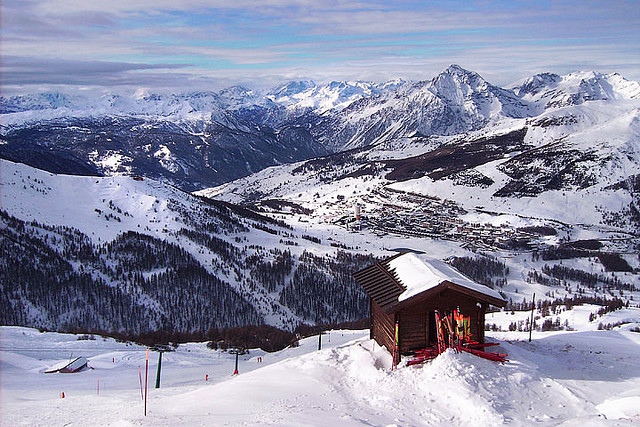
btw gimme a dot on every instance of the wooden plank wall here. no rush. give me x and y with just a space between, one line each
382 327
413 328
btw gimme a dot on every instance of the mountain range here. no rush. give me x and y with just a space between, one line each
199 140
301 185
562 148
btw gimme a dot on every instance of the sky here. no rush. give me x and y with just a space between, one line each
182 45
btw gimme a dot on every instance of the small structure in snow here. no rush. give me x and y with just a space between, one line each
408 291
71 366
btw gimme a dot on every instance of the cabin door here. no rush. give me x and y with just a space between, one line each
431 328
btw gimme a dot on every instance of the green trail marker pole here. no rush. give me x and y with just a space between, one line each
146 381
533 307
159 368
235 371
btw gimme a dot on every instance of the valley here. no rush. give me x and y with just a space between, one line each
531 189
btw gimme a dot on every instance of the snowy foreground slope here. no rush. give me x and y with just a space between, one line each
588 377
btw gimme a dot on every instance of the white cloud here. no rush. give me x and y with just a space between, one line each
204 41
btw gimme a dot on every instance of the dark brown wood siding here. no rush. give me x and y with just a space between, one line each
380 284
413 328
382 327
480 321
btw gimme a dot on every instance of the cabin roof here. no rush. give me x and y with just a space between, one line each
73 365
406 277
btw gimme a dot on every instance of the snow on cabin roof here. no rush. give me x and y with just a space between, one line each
68 366
419 273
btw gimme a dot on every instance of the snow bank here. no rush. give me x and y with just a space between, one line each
580 378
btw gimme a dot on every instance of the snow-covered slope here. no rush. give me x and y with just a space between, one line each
99 229
583 377
551 90
85 202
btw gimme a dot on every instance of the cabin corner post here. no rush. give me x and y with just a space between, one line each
396 348
482 309
371 319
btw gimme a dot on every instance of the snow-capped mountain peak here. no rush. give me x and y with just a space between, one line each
455 83
335 95
553 91
534 84
467 90
290 89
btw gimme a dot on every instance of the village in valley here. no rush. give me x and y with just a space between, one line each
414 215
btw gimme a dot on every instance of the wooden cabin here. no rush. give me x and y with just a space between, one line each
407 289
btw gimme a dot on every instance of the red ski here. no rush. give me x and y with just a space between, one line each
458 331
